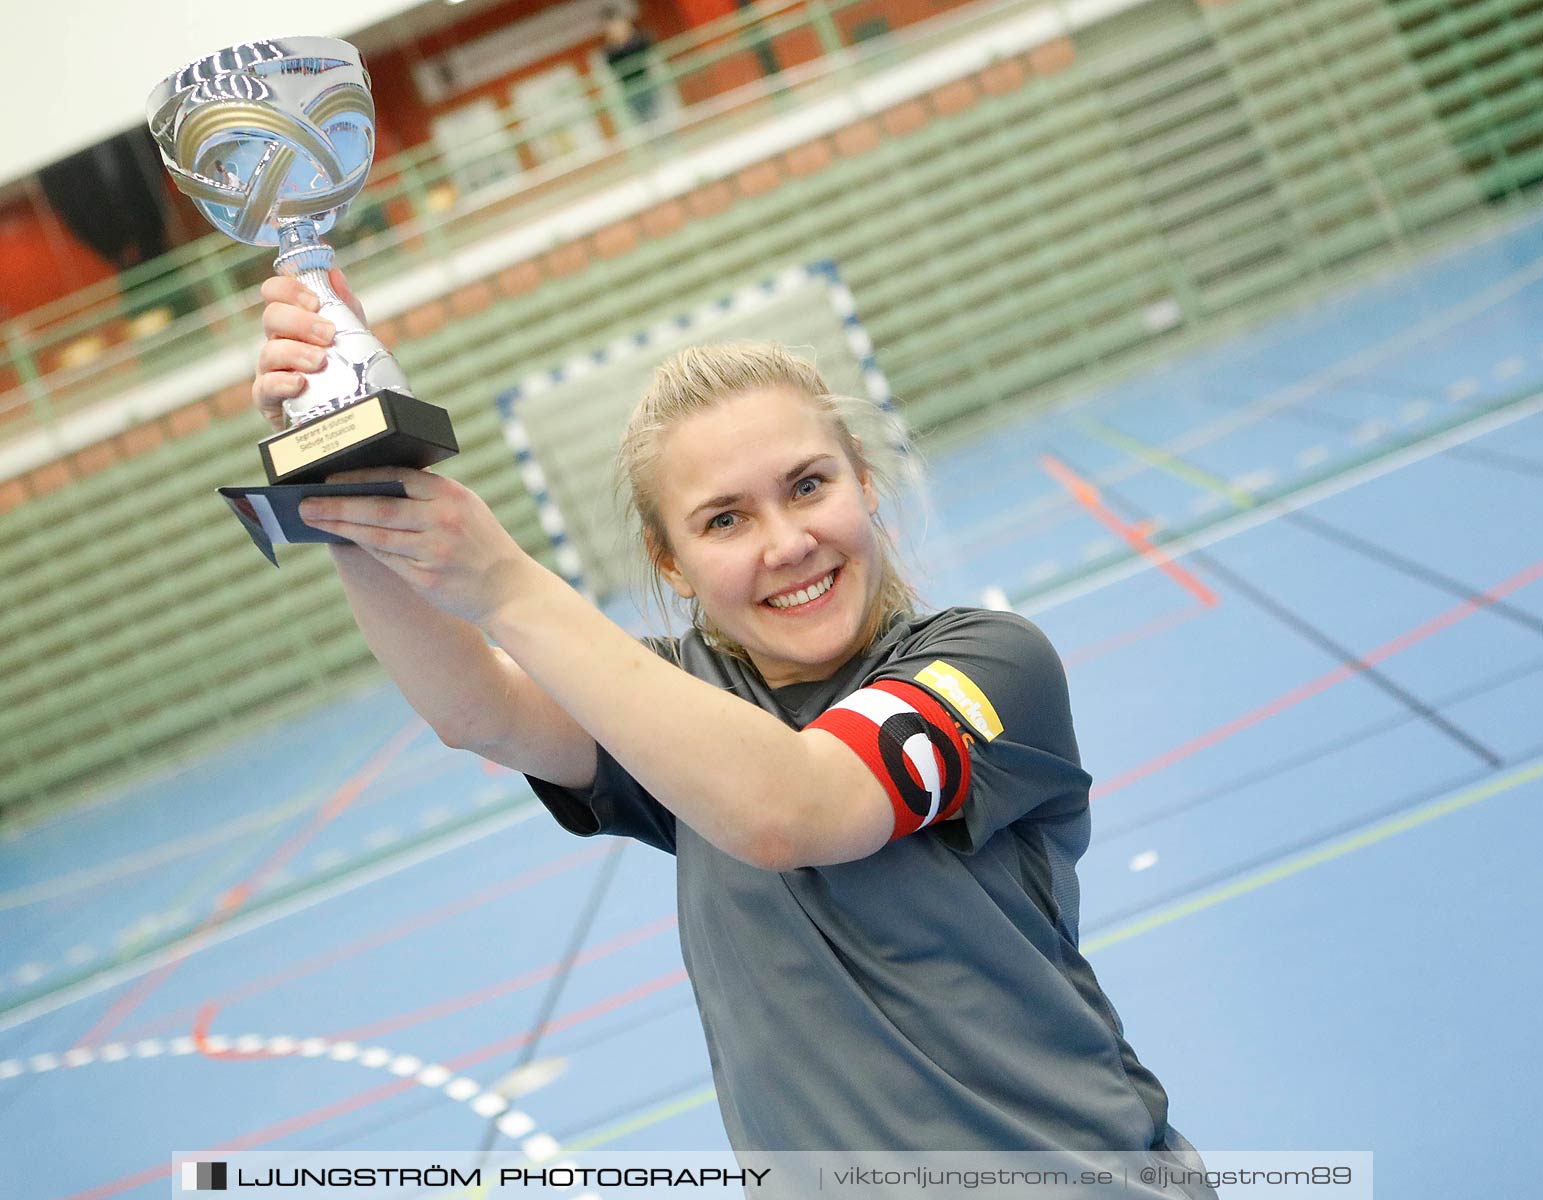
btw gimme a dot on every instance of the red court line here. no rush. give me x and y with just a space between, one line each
447 1006
319 1115
338 1108
327 958
1130 637
413 778
233 899
1314 686
455 1004
1085 494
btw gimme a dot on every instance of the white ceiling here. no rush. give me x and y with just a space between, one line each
73 72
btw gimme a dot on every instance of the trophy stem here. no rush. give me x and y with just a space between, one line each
304 256
356 363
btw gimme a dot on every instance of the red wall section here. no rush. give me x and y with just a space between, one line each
40 260
699 12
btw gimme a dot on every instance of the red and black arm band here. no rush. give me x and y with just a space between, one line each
912 746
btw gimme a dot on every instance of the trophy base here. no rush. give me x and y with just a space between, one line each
384 429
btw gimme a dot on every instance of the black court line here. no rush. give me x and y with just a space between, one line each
1301 846
428 1099
1392 389
1388 557
1308 414
547 1006
570 959
1275 767
1374 676
1370 384
1498 458
1312 633
1415 570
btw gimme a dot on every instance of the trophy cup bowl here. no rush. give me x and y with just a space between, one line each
272 140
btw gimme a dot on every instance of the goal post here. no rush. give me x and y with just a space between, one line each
565 424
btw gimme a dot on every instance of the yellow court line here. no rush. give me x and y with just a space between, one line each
1302 496
1316 858
205 884
255 823
1241 887
1160 459
642 1120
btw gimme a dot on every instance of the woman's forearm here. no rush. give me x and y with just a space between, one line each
738 776
469 692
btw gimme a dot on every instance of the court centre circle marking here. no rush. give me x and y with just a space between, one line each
486 1103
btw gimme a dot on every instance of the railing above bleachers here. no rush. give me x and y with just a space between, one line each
163 315
1031 207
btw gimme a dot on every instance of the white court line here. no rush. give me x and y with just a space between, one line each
1059 502
1498 292
146 860
192 843
240 924
514 1123
1270 510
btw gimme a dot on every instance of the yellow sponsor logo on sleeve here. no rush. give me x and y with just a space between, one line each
959 690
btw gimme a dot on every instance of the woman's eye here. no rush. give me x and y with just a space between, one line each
722 521
807 486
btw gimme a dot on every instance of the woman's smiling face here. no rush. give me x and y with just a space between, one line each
771 529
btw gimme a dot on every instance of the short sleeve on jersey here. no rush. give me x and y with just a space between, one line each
1003 681
615 803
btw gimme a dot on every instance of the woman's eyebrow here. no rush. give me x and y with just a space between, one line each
729 501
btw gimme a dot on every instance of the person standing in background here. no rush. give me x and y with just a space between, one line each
626 53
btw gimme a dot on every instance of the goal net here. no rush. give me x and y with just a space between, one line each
565 424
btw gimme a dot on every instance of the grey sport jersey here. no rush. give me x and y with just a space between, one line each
929 996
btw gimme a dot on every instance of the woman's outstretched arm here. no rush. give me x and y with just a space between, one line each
472 694
756 789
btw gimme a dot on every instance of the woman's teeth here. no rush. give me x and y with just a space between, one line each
794 599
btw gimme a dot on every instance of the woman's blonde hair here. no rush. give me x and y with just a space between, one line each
698 378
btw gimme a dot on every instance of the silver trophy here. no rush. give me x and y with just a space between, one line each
271 140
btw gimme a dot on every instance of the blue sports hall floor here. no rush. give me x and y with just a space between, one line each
1297 580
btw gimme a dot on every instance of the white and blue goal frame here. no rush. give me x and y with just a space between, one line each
696 325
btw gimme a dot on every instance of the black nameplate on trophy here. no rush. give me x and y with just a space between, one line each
384 429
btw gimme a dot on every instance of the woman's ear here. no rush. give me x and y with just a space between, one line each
664 563
870 492
865 480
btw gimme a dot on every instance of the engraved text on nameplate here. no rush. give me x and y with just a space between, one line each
327 436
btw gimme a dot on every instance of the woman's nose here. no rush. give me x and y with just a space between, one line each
787 542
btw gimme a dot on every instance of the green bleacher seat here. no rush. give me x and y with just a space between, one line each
1191 154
